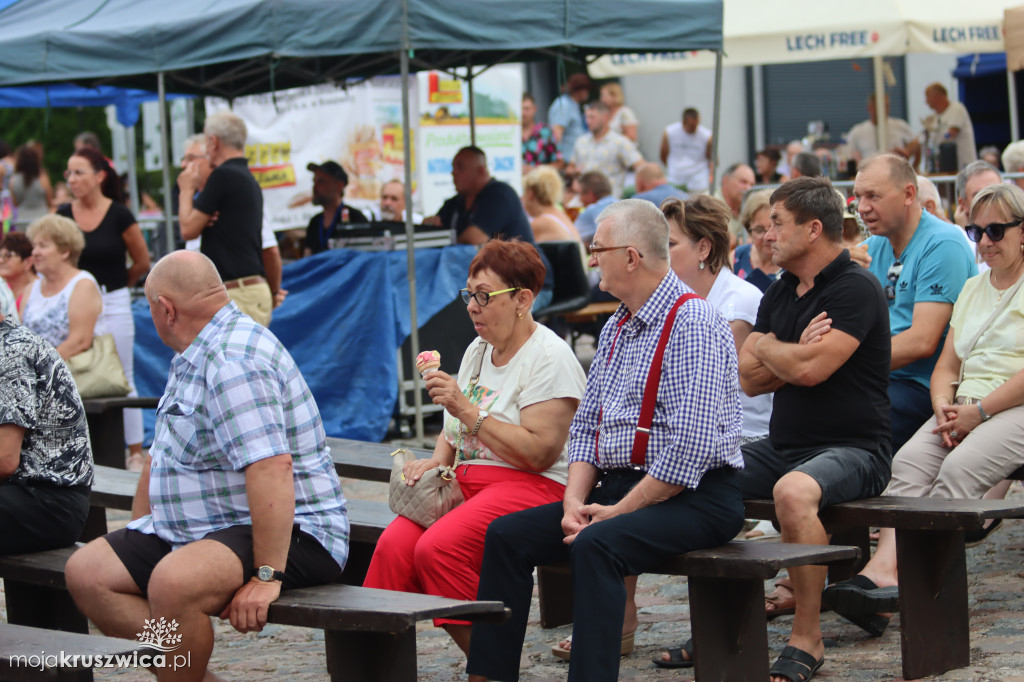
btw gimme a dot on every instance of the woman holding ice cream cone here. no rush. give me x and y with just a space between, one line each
506 422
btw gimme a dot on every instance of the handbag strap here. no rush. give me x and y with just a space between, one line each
1003 305
448 473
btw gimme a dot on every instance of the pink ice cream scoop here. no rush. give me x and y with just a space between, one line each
427 362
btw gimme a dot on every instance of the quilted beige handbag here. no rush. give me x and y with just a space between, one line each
97 370
434 495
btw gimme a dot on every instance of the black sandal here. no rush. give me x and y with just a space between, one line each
860 595
796 665
675 657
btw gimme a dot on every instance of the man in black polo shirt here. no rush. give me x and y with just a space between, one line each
329 182
485 208
822 344
228 213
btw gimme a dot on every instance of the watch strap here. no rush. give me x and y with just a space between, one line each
275 574
985 416
479 422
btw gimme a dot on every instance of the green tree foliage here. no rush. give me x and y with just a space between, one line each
56 129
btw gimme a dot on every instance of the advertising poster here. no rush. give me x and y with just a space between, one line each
444 128
359 127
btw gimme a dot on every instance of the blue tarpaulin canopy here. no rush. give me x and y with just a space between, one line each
126 100
346 314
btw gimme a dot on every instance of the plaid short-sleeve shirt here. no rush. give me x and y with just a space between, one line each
697 415
233 398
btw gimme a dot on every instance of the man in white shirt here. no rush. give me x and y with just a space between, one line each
863 139
950 122
686 152
604 150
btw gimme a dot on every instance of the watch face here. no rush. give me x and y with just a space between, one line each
265 573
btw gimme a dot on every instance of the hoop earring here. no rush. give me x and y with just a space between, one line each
701 266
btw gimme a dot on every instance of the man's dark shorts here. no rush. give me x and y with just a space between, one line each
308 562
844 473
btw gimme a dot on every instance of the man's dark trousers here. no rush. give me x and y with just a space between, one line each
600 558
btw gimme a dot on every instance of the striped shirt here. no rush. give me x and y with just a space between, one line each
697 416
235 397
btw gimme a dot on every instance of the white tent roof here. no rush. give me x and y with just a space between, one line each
756 32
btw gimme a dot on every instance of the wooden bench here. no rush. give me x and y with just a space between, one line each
367 461
106 427
368 634
28 654
726 588
934 620
114 489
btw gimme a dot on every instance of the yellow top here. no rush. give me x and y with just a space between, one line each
999 353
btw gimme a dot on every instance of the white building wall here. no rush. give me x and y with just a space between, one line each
659 99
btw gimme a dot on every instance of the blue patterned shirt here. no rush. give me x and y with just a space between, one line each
235 397
697 416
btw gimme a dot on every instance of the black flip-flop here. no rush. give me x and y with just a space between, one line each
973 538
860 601
860 594
675 657
796 665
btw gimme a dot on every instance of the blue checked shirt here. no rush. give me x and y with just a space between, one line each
697 417
235 397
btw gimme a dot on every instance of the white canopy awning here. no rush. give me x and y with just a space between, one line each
811 30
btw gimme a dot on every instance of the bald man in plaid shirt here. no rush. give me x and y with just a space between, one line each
239 498
675 495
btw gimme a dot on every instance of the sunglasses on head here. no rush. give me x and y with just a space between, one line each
995 231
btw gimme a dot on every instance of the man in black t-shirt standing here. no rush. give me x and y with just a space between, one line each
485 208
822 344
228 213
329 182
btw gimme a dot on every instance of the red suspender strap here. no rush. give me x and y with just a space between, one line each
643 427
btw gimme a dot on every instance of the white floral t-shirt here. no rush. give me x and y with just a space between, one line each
545 368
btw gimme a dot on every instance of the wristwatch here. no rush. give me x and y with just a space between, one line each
985 416
479 422
268 574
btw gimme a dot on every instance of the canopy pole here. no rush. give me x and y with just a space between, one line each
472 108
1011 90
717 120
133 174
881 113
164 162
410 245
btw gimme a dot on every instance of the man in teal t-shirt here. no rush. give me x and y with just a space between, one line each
922 264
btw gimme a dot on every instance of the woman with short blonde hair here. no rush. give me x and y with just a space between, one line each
64 304
542 194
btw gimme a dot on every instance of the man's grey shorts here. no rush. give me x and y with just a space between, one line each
844 473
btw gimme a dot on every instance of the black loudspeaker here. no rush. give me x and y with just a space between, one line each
948 158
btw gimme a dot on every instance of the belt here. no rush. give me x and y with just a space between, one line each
243 282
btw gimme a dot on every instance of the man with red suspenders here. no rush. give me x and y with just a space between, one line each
658 429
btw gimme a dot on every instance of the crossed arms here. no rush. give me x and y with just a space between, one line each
767 363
